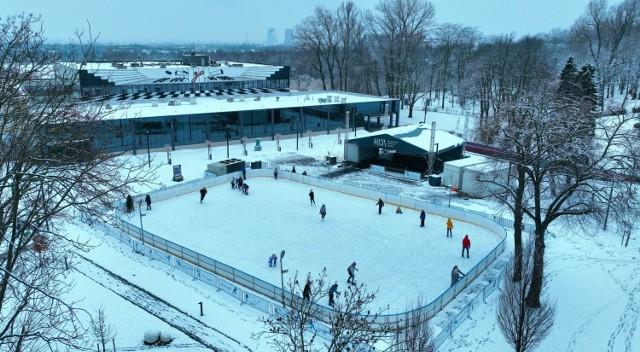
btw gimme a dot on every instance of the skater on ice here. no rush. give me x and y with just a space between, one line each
147 199
129 204
311 197
244 172
245 189
351 270
333 290
306 293
239 183
380 204
323 211
272 260
233 183
203 192
466 244
449 228
275 173
422 217
456 274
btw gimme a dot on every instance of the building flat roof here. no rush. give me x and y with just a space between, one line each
128 109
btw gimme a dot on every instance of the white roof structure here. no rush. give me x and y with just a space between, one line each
186 103
418 136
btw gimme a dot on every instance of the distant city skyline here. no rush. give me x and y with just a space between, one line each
249 21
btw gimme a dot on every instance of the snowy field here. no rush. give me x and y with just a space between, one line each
393 253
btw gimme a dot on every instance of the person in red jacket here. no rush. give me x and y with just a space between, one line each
466 244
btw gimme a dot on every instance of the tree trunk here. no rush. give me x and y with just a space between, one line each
517 227
533 296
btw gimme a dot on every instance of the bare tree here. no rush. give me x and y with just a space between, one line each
523 327
351 322
626 210
102 330
413 334
607 36
351 33
52 168
400 31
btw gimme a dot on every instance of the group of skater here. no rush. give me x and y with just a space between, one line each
240 184
129 203
333 289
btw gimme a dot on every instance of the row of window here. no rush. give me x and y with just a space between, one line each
129 134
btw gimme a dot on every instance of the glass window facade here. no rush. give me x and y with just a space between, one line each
178 130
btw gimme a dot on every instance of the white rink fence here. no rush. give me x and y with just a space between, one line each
267 297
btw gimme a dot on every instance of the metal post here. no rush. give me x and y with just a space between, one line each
425 111
227 135
282 272
148 149
346 136
141 215
209 148
297 132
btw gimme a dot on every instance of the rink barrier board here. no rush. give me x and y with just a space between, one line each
198 261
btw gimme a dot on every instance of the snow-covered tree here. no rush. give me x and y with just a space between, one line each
523 327
350 320
51 170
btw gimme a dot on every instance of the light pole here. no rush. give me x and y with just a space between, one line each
148 150
297 132
209 148
141 215
282 272
227 135
425 111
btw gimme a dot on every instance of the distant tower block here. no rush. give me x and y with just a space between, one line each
271 37
288 37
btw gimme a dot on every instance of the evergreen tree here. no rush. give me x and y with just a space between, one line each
588 91
569 87
588 97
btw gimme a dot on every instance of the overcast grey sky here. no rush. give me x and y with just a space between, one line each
239 21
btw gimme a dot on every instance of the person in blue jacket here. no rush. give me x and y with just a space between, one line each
422 217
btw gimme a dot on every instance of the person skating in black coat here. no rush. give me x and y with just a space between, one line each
306 293
203 192
129 204
333 290
380 204
311 198
147 199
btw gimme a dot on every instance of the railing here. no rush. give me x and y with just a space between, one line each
222 275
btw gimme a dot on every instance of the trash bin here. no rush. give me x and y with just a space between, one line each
435 180
256 164
257 147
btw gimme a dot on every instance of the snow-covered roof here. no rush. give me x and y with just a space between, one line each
417 135
191 104
472 159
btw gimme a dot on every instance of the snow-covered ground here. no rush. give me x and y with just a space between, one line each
593 279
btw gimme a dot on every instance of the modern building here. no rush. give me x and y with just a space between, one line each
165 105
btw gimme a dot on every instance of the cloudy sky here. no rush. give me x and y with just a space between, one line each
239 21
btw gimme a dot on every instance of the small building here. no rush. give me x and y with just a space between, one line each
475 175
406 148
